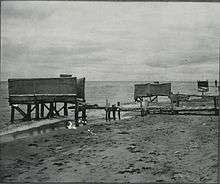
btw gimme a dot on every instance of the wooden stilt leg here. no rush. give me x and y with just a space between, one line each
109 113
113 112
178 101
142 110
77 113
42 110
172 107
215 105
119 113
55 106
106 114
28 112
37 111
12 113
65 110
84 113
51 110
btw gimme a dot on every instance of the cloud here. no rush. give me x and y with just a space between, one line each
11 50
111 41
27 10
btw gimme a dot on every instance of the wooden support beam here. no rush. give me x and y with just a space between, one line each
55 109
84 113
215 105
65 110
42 110
20 111
33 108
28 112
106 110
37 111
61 109
119 111
56 112
50 113
113 111
106 115
151 100
177 100
142 110
12 113
77 113
109 114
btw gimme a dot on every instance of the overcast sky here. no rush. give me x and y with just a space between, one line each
110 40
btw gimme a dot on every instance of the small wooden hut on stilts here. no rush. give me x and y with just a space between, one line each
43 94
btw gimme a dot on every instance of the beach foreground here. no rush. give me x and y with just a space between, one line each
154 148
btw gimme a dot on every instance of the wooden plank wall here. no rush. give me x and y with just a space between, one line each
42 86
203 86
81 88
147 90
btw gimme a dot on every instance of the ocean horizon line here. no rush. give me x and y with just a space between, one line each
138 80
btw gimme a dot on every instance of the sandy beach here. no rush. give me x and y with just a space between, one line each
154 148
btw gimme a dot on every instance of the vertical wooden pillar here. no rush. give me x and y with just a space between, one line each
77 113
42 110
106 110
109 113
146 107
142 110
106 114
65 110
55 106
215 105
177 100
37 111
119 113
51 110
12 113
172 108
113 111
84 113
28 112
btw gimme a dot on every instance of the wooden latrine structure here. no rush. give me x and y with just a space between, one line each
150 90
43 94
203 86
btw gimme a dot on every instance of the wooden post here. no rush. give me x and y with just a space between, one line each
215 105
142 110
119 111
106 114
145 109
109 114
106 110
12 113
55 106
28 112
177 101
51 110
37 111
172 106
113 111
84 113
77 113
42 110
65 110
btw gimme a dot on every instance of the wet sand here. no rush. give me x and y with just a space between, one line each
154 148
